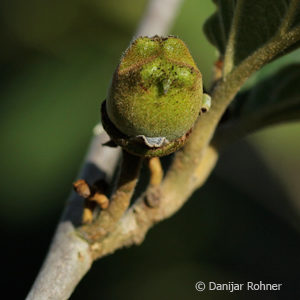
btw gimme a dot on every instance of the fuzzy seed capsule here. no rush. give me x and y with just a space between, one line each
156 92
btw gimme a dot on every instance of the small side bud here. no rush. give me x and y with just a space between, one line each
206 103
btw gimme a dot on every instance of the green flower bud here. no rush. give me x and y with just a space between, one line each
156 93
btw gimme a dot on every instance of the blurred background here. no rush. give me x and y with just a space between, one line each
57 58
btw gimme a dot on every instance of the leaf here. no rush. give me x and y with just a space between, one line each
240 27
217 27
274 100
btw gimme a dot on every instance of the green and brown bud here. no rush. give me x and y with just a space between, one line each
156 93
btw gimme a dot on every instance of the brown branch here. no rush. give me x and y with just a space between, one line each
120 200
175 190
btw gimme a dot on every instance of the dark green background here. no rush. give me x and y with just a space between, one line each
57 58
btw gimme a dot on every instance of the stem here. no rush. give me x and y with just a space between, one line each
224 93
120 200
156 171
175 190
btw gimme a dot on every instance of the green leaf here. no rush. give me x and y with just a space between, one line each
272 101
241 27
276 99
217 27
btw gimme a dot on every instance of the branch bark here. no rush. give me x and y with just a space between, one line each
120 200
173 193
69 256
